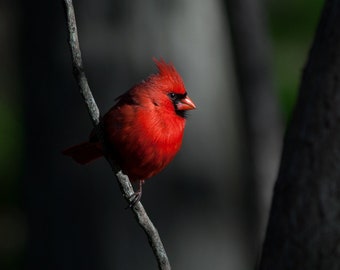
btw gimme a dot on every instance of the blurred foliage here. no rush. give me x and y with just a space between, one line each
11 152
292 25
12 230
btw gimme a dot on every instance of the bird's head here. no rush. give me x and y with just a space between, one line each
169 89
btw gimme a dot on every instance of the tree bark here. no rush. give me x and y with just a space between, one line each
303 230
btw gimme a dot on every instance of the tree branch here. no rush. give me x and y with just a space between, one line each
123 180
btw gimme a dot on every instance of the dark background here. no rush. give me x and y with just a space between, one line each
210 205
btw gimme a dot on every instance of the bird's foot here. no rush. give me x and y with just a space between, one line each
134 198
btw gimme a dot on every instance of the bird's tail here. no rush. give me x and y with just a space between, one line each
85 152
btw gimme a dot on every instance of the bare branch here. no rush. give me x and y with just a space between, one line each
78 64
123 180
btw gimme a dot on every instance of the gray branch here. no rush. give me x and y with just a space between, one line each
123 180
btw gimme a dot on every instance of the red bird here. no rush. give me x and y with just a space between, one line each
144 130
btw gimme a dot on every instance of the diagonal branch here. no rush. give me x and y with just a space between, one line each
123 181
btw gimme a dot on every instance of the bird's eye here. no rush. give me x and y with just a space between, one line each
172 96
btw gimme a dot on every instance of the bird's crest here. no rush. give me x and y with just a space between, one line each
167 71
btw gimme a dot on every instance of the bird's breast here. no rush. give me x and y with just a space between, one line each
147 143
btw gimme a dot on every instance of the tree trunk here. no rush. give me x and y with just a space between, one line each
303 230
263 126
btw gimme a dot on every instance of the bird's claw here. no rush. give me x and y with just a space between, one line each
134 198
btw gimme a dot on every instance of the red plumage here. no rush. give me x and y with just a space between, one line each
144 129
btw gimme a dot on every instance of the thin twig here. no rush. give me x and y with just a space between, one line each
123 180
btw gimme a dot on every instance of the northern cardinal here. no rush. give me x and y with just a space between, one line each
144 129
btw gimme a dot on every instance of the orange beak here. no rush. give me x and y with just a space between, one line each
185 104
